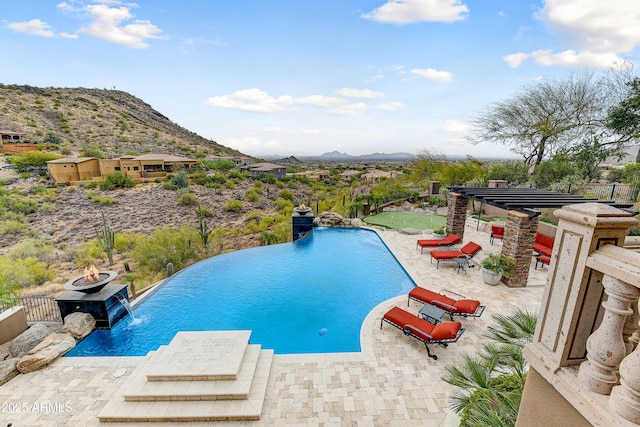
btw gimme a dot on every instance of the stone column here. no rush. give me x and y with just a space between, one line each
519 236
570 308
456 213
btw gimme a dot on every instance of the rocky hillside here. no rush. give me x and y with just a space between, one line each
109 121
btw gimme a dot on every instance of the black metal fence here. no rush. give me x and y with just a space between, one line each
621 193
36 309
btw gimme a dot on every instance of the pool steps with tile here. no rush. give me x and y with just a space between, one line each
199 376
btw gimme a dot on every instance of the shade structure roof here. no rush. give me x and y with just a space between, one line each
528 200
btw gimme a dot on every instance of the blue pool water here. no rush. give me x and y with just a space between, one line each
309 296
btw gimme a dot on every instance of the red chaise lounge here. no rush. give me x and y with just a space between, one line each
543 244
468 251
460 306
449 240
497 232
422 330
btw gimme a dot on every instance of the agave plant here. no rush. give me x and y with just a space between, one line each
490 383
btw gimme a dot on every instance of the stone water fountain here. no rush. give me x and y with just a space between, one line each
94 294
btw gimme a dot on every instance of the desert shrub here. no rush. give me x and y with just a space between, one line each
11 227
178 246
220 165
19 203
32 159
233 206
25 271
125 242
188 199
31 248
205 212
252 195
282 204
92 150
169 186
181 180
102 200
286 194
52 138
116 179
90 185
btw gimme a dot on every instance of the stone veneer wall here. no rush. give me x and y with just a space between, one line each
519 236
456 213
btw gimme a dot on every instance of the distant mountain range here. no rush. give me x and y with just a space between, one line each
338 156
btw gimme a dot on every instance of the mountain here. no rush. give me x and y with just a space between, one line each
98 121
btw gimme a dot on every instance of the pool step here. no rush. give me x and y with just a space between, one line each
200 356
168 389
140 389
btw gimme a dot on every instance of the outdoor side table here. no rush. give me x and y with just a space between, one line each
461 263
432 313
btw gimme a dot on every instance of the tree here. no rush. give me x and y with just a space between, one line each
624 119
32 159
553 170
551 117
426 166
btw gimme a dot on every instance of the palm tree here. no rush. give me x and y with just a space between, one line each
490 383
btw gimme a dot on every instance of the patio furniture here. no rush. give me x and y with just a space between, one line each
443 333
468 251
459 305
541 259
497 232
449 240
432 313
543 244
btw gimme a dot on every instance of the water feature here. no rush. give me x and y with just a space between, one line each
309 296
125 303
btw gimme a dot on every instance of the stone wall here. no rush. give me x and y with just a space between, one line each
456 213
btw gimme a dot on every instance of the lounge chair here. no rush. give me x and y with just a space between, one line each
466 252
496 233
423 330
457 306
449 240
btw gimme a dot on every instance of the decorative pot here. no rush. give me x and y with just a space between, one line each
490 277
439 236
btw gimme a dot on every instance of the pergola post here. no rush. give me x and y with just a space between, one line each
456 213
519 236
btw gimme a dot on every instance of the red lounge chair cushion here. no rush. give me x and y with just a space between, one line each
543 244
466 306
403 318
445 331
430 297
440 255
449 240
470 249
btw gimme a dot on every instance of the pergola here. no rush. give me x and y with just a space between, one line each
526 200
522 206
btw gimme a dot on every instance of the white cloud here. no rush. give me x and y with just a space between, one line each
107 26
359 93
596 32
350 109
35 27
300 131
408 11
433 74
391 106
259 101
455 126
515 59
571 58
254 145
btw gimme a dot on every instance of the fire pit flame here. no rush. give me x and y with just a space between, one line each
91 274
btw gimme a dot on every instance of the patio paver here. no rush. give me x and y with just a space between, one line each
391 382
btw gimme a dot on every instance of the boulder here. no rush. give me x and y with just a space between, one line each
79 325
8 370
29 339
52 347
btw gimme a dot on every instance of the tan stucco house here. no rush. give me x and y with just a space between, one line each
72 169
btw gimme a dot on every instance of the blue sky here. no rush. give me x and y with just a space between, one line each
304 77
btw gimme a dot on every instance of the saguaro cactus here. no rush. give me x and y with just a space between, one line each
106 239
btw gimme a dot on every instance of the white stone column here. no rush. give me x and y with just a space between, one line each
631 329
606 346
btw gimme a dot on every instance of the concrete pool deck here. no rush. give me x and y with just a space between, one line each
391 382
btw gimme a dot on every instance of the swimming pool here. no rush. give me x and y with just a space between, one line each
309 296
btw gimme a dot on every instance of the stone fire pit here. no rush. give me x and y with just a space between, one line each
88 286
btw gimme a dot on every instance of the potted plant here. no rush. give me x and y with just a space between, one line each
495 267
440 232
